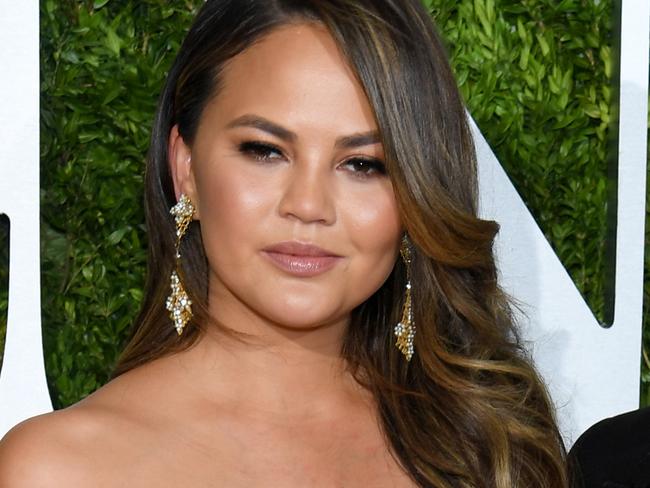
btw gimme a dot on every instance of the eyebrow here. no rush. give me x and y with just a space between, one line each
345 142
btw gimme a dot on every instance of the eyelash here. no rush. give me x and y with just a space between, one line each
259 151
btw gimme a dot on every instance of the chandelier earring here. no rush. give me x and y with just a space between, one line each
405 329
178 303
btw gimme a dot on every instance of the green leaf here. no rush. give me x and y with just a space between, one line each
113 41
99 4
117 236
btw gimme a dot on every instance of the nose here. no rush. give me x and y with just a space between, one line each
308 194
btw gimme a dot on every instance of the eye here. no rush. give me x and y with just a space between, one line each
365 166
260 151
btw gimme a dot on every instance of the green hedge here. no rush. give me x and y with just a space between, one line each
536 75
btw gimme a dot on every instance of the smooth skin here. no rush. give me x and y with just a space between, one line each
284 411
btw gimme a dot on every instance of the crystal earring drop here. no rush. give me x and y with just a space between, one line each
178 303
405 329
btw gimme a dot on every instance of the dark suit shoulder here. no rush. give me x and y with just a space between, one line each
615 452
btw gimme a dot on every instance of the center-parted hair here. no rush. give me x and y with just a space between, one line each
468 410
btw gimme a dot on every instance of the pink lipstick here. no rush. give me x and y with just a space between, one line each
300 259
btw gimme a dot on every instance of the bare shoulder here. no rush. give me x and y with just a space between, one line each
46 450
73 446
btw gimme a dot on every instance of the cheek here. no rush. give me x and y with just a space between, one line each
374 228
224 191
233 206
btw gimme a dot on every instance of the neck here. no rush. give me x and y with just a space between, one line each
281 372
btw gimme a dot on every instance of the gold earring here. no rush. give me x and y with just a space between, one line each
405 329
178 303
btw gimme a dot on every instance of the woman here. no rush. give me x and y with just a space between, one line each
334 317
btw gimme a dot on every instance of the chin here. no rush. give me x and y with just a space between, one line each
305 318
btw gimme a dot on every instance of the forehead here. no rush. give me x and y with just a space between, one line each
295 73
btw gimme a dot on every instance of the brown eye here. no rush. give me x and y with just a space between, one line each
260 151
364 166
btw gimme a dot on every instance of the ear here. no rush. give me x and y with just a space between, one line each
179 155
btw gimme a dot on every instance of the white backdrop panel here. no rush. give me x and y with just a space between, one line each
23 391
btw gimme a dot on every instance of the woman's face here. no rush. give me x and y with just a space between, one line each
298 218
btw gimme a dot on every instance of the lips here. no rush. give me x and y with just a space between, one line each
299 259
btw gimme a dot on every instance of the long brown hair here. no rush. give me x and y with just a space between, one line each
468 410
